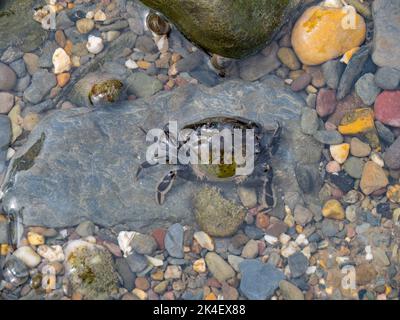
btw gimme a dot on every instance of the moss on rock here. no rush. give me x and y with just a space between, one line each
230 28
216 215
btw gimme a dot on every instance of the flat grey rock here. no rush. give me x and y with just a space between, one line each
386 43
80 164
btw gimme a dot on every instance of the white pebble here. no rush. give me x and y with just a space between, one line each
28 256
61 61
10 153
270 239
95 44
130 64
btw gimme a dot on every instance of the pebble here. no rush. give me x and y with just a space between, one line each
19 68
95 44
42 82
332 71
204 240
143 244
250 250
373 178
6 102
35 239
357 121
173 272
85 25
259 281
392 155
393 193
200 266
380 257
340 152
8 78
309 121
387 78
174 241
359 148
387 108
351 213
235 261
32 62
63 79
85 229
218 267
331 137
28 256
289 291
128 278
100 16
248 197
302 215
366 89
136 262
288 58
141 85
309 39
301 83
61 61
354 167
333 210
326 102
333 167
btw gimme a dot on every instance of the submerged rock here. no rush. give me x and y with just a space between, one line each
80 164
17 26
232 29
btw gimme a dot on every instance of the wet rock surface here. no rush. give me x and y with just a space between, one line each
111 140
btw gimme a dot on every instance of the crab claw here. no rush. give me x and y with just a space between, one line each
142 166
164 186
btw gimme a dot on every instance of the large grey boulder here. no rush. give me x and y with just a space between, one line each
80 164
386 36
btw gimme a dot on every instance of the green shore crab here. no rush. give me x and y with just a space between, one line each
265 146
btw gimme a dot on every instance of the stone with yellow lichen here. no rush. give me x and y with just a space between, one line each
393 193
319 35
35 239
340 152
333 210
357 121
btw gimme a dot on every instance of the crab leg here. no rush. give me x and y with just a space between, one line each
143 165
164 186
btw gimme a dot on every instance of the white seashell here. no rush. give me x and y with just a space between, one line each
130 64
61 61
95 44
124 241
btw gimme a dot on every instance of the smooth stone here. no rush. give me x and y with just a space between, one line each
310 40
302 215
340 152
333 209
288 58
332 71
136 262
352 72
145 244
366 89
85 25
235 261
204 240
6 102
289 291
174 241
32 62
359 149
224 27
127 276
11 54
392 155
218 267
250 250
248 197
309 121
85 229
45 59
18 28
118 25
373 178
386 47
8 78
387 108
42 82
257 66
387 78
28 256
326 102
259 281
142 85
328 137
112 135
19 68
329 228
384 133
301 82
354 167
